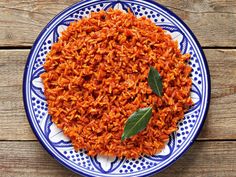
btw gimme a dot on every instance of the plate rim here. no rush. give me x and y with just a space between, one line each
208 99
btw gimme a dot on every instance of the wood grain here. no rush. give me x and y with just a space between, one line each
212 21
220 122
14 124
221 119
204 159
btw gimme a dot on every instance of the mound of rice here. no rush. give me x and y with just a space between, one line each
96 77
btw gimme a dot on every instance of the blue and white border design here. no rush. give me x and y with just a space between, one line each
60 146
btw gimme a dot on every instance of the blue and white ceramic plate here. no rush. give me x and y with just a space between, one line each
60 146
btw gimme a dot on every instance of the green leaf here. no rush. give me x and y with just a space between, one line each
154 81
137 122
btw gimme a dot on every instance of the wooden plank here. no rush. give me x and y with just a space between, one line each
212 21
221 119
204 159
220 122
207 19
14 124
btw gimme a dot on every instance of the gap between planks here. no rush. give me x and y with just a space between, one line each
197 140
29 47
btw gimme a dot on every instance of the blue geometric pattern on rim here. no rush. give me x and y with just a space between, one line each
60 146
62 142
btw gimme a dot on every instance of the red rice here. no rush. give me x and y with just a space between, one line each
96 77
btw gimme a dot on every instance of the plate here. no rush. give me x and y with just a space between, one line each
60 146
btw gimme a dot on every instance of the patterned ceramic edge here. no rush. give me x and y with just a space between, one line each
46 145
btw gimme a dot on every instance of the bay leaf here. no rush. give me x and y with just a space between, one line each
154 81
137 122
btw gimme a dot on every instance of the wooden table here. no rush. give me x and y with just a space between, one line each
214 152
